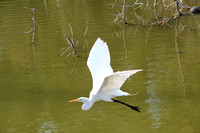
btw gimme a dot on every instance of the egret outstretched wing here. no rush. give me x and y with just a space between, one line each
99 64
112 84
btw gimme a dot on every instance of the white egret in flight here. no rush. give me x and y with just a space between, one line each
106 83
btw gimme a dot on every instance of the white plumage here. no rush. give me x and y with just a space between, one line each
106 84
99 64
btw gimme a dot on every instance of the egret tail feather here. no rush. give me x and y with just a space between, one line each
134 94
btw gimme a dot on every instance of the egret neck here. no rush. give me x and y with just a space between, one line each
87 103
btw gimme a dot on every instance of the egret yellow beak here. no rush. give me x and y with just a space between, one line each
75 100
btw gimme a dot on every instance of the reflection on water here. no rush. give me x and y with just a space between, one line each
155 105
34 93
47 126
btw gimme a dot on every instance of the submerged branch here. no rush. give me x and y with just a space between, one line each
85 36
179 57
25 32
71 29
67 48
183 27
34 24
86 29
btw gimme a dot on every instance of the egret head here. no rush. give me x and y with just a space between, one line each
87 104
80 99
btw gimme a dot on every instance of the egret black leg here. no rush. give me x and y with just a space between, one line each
136 108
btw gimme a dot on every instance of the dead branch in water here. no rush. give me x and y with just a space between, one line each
72 45
34 24
162 21
183 27
183 5
33 10
152 10
123 12
177 7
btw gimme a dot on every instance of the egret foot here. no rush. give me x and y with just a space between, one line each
136 108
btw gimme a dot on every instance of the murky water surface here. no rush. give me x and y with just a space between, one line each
36 81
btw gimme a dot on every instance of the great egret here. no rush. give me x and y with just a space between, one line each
106 83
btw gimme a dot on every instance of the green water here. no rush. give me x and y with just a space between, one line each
36 81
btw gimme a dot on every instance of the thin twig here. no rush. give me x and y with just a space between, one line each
123 12
72 44
25 32
113 5
183 5
34 24
67 48
187 27
177 7
86 29
85 37
152 10
136 2
140 18
34 29
71 29
70 53
31 9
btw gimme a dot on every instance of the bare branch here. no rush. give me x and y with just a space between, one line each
136 2
34 24
117 17
123 12
113 5
72 44
182 28
183 5
138 17
152 10
177 7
